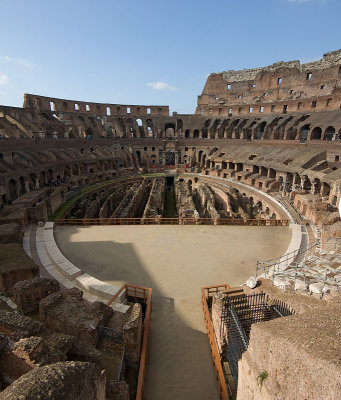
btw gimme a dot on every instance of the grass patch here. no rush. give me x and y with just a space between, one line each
262 377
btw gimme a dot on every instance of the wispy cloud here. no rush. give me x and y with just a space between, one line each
21 61
3 79
162 86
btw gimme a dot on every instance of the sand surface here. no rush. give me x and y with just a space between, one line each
176 261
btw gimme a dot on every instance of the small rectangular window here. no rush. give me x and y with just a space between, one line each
52 106
159 110
279 81
87 107
265 94
148 110
309 76
240 109
322 87
273 108
299 105
250 110
230 111
186 148
253 85
329 102
77 107
128 110
228 86
285 109
313 103
220 111
337 158
118 110
109 110
261 109
138 110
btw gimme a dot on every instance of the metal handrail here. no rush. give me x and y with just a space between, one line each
287 258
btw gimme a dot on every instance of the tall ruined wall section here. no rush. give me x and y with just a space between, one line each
279 88
42 103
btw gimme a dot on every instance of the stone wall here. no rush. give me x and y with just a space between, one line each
283 87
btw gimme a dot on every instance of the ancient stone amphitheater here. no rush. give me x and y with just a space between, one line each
230 216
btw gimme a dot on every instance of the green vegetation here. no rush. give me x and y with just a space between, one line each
88 189
262 377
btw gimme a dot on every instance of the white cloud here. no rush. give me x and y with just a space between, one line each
162 86
3 79
21 61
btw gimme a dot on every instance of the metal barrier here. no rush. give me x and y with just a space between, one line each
143 294
206 292
172 221
285 260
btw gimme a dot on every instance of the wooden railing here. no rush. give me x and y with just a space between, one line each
145 294
205 293
172 221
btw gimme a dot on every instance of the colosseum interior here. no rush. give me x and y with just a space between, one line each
104 204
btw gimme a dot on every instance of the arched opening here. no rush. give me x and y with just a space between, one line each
138 154
260 131
22 188
329 133
304 131
187 134
12 188
316 133
170 130
89 133
139 122
196 134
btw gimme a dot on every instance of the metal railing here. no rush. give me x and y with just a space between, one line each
283 261
172 221
143 294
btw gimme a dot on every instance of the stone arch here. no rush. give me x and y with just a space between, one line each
316 133
304 133
170 130
196 134
329 133
13 190
187 134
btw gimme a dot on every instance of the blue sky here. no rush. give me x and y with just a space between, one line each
151 52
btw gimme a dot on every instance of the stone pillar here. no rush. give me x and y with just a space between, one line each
37 184
27 186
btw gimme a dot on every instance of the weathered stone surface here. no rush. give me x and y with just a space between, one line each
15 266
28 293
66 311
63 380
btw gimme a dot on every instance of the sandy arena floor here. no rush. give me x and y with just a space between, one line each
176 261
